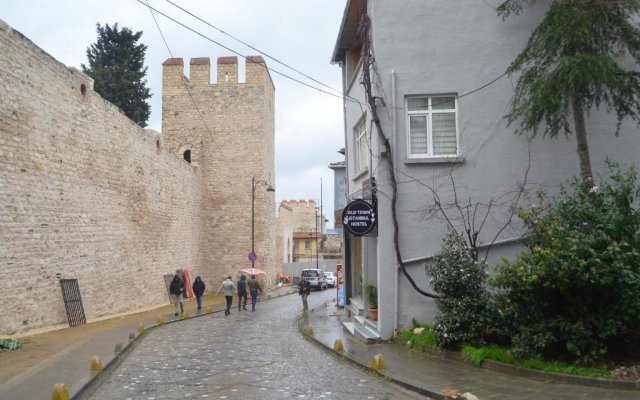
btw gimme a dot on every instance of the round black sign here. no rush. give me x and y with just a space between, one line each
359 217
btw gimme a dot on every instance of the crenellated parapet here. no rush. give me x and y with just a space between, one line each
256 72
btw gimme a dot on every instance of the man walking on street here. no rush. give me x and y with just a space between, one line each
254 288
242 293
305 290
228 287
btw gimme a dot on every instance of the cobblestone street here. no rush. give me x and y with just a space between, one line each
246 355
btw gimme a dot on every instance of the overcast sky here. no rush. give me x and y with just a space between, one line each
300 33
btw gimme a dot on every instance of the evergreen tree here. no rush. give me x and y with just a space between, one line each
116 64
573 62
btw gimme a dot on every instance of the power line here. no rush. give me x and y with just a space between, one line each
180 71
252 47
240 54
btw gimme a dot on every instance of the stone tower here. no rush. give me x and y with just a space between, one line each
226 131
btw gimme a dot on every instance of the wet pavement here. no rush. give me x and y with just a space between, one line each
247 355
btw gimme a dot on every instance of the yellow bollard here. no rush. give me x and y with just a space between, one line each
185 315
60 392
377 362
209 309
96 364
160 320
140 327
338 346
309 330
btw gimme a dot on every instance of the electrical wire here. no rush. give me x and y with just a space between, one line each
242 55
180 71
253 48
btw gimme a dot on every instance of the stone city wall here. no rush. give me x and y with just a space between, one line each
84 193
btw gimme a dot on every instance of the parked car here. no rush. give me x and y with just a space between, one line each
331 278
315 277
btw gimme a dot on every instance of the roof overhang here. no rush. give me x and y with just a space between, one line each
347 39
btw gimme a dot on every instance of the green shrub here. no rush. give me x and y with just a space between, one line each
465 310
575 292
10 344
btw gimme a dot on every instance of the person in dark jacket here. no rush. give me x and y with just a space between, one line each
305 290
254 288
198 291
175 289
242 293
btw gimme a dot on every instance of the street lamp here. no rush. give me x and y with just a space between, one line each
270 188
317 263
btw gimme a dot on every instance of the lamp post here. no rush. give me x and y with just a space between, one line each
270 188
317 263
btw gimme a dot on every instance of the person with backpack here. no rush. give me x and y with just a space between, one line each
304 291
254 288
242 293
175 289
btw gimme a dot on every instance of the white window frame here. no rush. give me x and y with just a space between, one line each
359 137
428 113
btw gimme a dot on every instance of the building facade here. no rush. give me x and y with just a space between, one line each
441 93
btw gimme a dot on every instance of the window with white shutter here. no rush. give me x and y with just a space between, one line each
431 126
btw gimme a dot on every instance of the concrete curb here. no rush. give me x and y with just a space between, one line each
355 363
98 378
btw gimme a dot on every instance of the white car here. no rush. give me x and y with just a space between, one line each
315 278
331 278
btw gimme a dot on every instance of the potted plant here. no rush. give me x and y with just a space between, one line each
371 292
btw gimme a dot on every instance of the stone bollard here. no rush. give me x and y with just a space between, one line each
60 392
140 327
118 348
338 346
160 320
185 315
309 330
96 364
132 337
377 363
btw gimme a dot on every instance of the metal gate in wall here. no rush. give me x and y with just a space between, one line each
73 302
167 281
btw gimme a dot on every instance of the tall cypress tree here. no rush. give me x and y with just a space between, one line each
573 62
116 64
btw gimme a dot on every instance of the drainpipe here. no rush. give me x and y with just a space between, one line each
396 285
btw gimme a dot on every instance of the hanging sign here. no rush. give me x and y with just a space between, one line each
359 217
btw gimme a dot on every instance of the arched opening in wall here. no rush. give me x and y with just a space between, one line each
83 89
187 156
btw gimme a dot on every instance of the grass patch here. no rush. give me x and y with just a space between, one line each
476 355
424 341
10 344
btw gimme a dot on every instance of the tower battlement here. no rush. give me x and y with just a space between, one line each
256 72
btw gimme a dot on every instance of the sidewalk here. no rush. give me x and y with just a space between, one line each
71 366
431 375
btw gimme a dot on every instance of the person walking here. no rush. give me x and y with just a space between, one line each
304 291
175 289
198 290
228 287
242 292
254 288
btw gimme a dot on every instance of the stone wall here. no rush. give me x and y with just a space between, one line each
85 193
231 127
